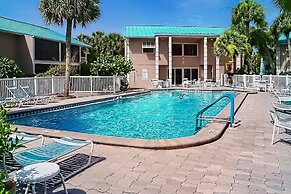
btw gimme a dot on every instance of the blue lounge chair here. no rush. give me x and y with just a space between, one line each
52 151
30 94
26 138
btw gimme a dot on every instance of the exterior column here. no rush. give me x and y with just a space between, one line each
126 42
205 58
157 57
238 62
217 72
278 60
170 59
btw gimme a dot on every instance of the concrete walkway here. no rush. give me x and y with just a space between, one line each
242 161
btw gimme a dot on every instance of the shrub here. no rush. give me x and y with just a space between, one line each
85 69
108 65
58 70
8 68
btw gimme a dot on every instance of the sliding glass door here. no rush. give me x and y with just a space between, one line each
178 74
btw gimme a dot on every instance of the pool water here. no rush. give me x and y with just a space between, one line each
157 115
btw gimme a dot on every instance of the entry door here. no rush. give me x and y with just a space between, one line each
194 74
178 76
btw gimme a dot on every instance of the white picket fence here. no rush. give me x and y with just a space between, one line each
276 82
55 84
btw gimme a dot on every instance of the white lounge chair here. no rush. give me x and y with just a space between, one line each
18 97
30 94
283 121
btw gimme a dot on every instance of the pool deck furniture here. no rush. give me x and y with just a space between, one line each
18 97
260 85
282 107
37 173
30 94
52 151
27 138
280 120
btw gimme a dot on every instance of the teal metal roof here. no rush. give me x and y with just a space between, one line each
151 30
283 39
22 28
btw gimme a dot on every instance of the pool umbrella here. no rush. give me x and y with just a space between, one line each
262 67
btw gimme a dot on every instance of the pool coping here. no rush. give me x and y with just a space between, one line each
210 133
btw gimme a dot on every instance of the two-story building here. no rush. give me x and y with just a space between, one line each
173 52
36 48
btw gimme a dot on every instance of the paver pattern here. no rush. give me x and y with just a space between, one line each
242 161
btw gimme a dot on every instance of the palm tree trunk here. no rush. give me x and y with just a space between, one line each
289 49
68 57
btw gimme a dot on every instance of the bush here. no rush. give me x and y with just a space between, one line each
58 70
85 69
108 65
8 68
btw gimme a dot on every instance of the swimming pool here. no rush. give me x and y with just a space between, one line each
155 115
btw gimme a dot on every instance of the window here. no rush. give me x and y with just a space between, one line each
46 50
190 50
148 47
74 53
177 50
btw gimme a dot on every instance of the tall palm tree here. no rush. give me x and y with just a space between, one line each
72 12
282 24
284 5
231 44
248 12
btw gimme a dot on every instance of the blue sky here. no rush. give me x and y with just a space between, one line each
115 14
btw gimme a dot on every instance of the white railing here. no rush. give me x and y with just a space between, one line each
55 84
276 82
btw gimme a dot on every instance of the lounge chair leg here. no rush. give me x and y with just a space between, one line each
274 128
63 182
27 188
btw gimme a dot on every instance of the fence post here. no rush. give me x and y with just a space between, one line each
114 87
53 85
270 79
35 85
14 81
287 80
91 83
245 81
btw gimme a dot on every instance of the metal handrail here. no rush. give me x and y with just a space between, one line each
199 115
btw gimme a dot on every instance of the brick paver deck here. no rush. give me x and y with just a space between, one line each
242 161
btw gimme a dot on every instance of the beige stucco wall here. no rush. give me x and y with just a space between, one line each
25 57
135 78
8 45
147 61
18 48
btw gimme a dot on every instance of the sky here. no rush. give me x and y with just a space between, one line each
116 14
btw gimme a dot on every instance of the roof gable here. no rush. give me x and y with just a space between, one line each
22 28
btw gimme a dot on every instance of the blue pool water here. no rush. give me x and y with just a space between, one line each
157 115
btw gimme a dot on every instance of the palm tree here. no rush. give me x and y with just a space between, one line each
231 44
72 12
248 12
282 24
284 5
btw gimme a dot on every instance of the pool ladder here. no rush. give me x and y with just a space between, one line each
200 118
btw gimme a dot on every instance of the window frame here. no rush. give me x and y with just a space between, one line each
148 46
197 49
183 50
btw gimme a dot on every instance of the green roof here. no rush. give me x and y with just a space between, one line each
22 28
283 39
152 31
